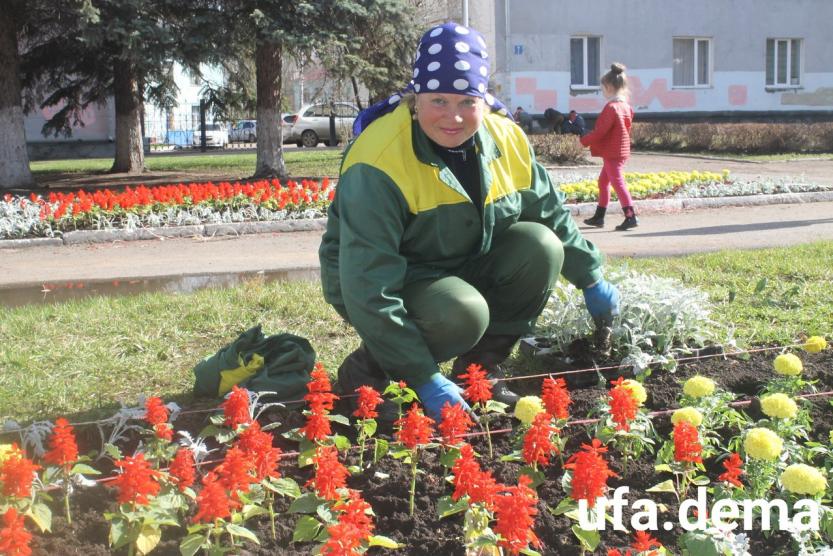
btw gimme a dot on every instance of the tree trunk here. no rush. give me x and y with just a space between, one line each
14 158
268 62
356 92
130 154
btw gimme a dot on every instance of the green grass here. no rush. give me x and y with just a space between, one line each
80 358
316 163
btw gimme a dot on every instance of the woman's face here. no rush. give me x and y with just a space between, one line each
449 119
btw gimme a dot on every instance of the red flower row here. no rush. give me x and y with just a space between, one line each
58 205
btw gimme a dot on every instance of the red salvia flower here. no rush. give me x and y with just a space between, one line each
330 474
236 408
157 415
164 431
258 444
320 398
355 512
155 411
236 472
344 540
455 423
478 387
470 480
212 502
317 428
137 480
617 552
732 465
465 471
320 392
644 542
556 398
687 447
354 526
590 472
369 400
515 514
414 428
17 473
623 405
64 449
14 538
538 445
182 468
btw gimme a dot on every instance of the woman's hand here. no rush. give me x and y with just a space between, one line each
602 301
436 392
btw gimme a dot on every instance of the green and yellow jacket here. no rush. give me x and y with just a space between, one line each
400 215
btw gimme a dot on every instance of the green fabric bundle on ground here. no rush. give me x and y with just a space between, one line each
280 363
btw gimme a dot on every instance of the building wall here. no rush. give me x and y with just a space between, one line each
533 68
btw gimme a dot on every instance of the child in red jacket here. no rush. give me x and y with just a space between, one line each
611 140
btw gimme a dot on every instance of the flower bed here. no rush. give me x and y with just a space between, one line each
270 200
582 187
318 491
164 205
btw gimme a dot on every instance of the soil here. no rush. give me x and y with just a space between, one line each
424 533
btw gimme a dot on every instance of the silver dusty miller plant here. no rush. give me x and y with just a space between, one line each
659 318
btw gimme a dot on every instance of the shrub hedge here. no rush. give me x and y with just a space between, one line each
552 148
738 138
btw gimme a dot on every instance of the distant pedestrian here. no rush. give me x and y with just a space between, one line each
523 119
554 120
574 124
611 140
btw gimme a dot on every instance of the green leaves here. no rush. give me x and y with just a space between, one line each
446 506
307 529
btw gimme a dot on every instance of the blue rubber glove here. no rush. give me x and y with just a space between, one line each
602 301
438 390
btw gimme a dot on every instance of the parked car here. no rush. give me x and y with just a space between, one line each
244 130
311 125
216 135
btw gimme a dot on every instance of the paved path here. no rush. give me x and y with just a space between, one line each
659 234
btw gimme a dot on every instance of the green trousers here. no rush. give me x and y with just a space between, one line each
502 292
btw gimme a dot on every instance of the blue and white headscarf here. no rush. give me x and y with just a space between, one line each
450 58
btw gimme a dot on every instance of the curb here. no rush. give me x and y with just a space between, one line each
688 203
313 224
82 237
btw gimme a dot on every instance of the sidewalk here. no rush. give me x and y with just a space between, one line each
296 253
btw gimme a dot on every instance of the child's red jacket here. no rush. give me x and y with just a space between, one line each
611 137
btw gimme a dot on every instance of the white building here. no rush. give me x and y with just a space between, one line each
741 57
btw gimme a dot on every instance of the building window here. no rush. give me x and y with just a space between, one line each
783 62
692 62
585 62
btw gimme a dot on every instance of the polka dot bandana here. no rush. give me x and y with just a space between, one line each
451 59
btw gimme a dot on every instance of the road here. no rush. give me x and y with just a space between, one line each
659 234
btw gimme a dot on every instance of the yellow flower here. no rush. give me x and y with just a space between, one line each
799 478
6 450
527 408
788 364
763 444
698 387
779 405
815 344
687 414
636 389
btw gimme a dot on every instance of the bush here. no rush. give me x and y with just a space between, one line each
735 138
552 148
